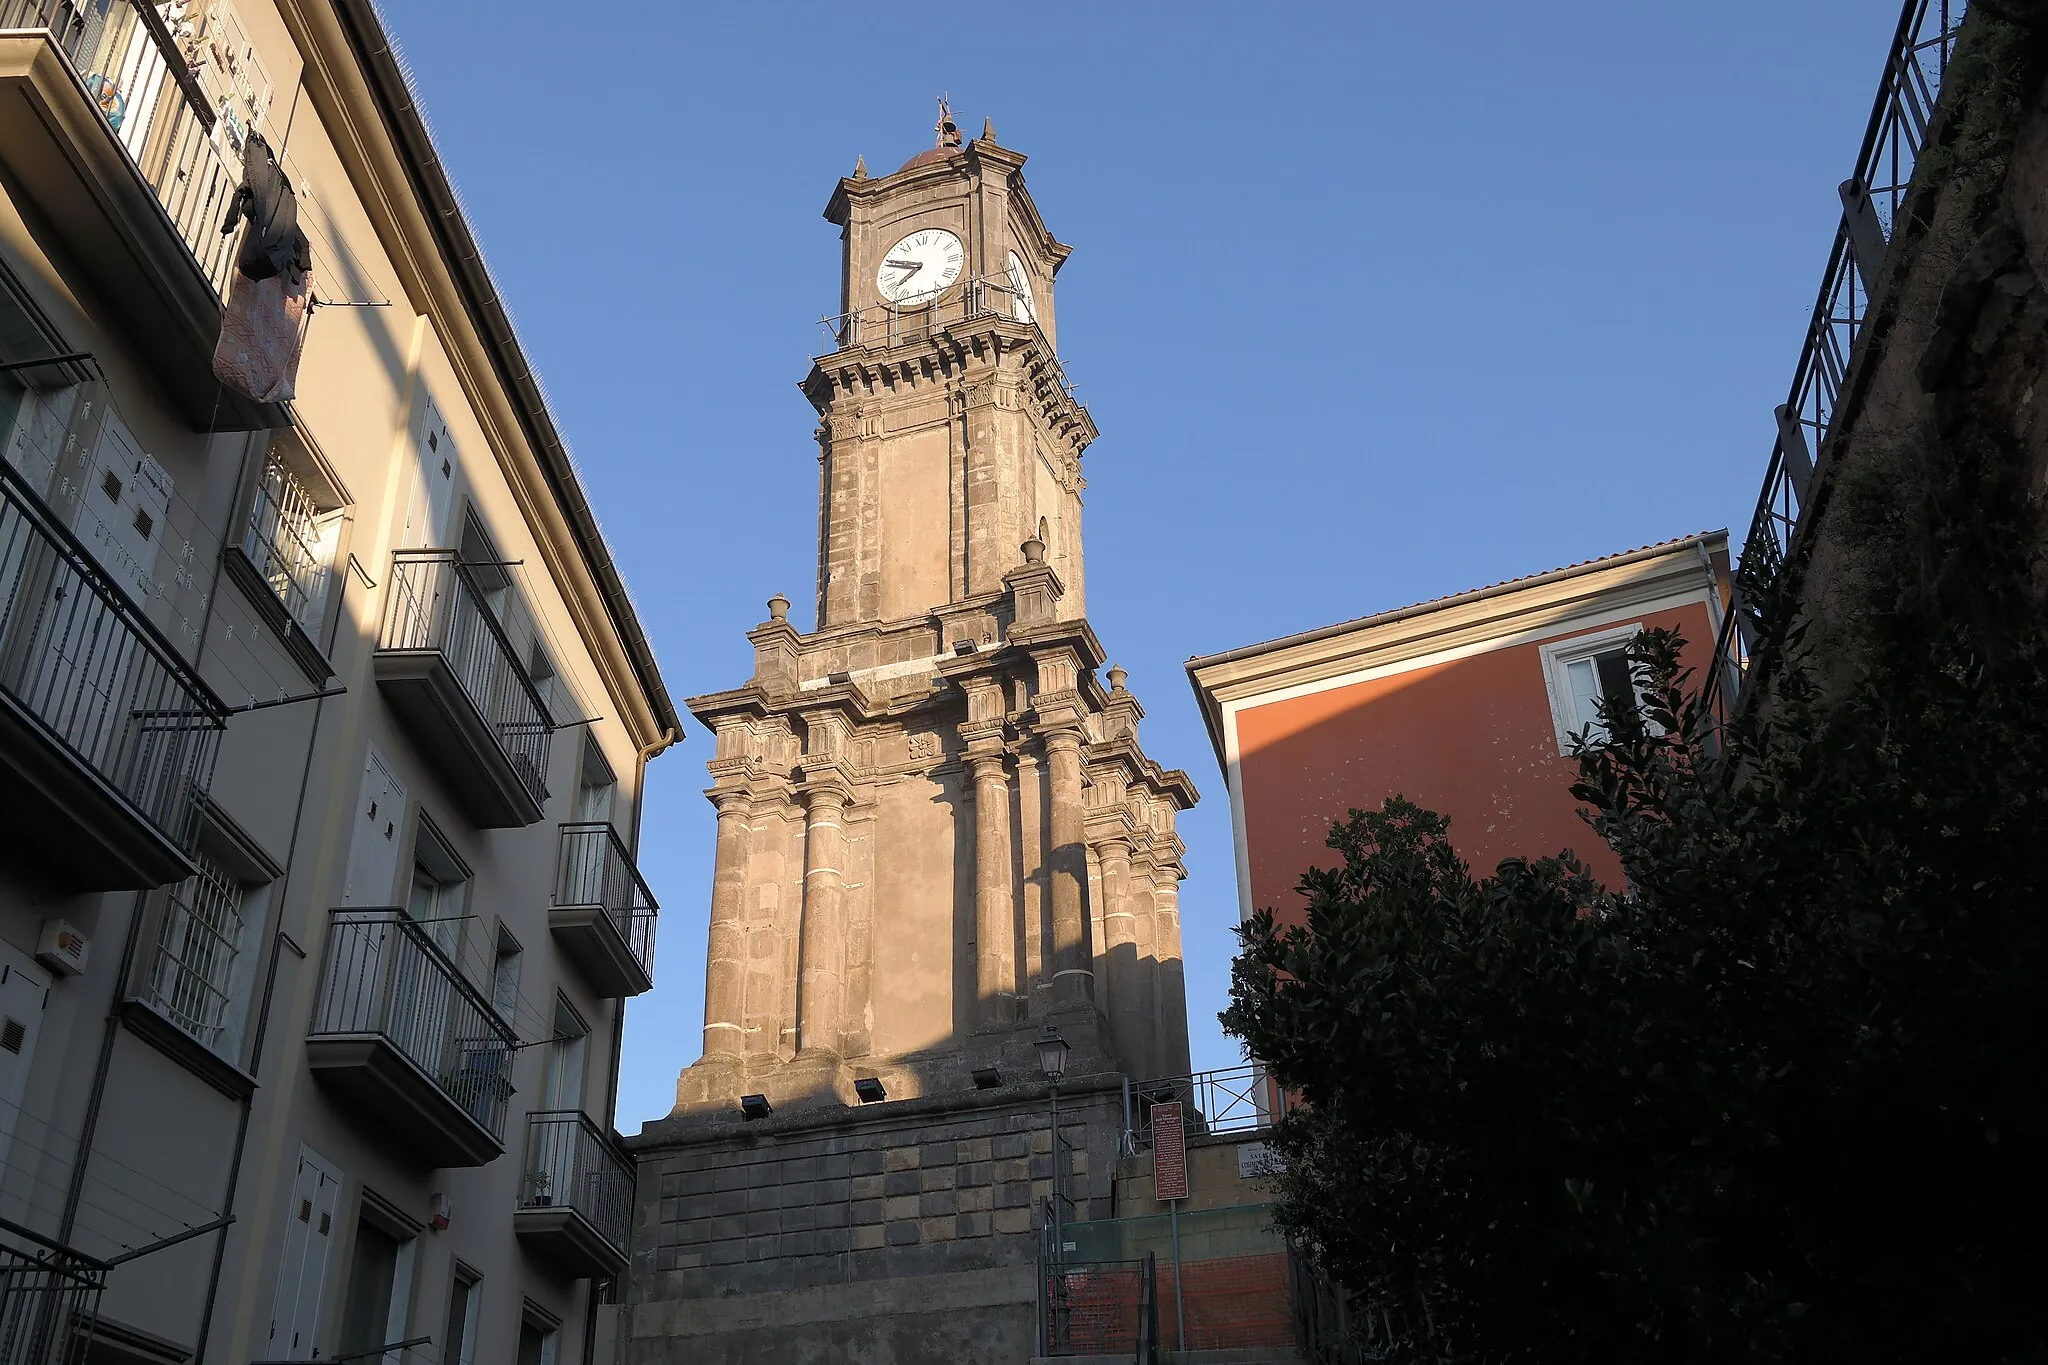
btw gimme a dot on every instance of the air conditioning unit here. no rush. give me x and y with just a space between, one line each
62 948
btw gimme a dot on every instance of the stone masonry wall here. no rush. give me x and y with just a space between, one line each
897 1234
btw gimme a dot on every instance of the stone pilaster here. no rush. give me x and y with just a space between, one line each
1073 975
1172 999
1033 973
995 901
1150 1058
1127 1013
725 955
823 948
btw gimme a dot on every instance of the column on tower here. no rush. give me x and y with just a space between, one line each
1128 1016
849 587
1033 974
1172 1000
725 954
1149 1060
996 431
1073 974
822 936
995 898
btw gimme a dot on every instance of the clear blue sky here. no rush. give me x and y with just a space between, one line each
1371 302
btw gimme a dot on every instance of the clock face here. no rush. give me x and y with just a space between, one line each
1022 306
917 268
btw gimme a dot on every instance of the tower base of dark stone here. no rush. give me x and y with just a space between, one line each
898 1233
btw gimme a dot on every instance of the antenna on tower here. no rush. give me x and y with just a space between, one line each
948 131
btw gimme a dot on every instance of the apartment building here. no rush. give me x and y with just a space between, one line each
324 718
1468 705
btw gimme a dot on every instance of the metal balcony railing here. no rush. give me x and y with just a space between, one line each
1872 201
886 325
93 675
572 1163
385 977
437 606
595 870
1238 1099
130 66
49 1298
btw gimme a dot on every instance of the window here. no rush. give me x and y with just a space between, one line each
596 785
1582 672
375 1309
505 975
198 965
465 1302
294 530
437 900
538 1335
197 944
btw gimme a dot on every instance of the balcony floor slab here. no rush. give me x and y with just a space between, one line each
590 937
429 698
567 1238
387 1091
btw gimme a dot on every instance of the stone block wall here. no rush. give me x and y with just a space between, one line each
901 1233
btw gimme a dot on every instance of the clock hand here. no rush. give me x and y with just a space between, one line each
912 266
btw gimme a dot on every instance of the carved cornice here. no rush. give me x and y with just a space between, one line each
971 351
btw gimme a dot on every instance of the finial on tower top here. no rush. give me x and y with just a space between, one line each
988 130
778 608
948 131
860 168
1116 678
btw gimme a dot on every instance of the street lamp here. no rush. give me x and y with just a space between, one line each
1052 1062
1052 1054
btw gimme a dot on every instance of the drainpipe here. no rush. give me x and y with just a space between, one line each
646 754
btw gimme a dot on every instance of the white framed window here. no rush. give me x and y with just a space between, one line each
294 531
1579 672
465 1305
199 967
505 976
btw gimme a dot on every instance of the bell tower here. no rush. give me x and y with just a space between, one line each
937 470
937 831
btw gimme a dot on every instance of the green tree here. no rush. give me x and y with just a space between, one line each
1781 1100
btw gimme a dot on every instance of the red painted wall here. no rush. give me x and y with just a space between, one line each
1472 739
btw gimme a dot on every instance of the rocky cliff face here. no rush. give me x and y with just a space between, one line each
1931 487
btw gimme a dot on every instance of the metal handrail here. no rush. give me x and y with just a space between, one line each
386 977
593 868
1238 1099
1873 201
977 296
51 1296
95 674
572 1163
436 605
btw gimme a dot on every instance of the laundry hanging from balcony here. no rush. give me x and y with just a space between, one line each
263 326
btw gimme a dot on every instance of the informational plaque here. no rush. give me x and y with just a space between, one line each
1169 1153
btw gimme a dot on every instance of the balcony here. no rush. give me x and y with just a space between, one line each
106 736
411 1046
445 665
576 1195
50 1305
603 915
106 131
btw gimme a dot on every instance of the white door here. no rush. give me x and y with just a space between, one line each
433 485
374 841
126 502
302 1268
24 990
